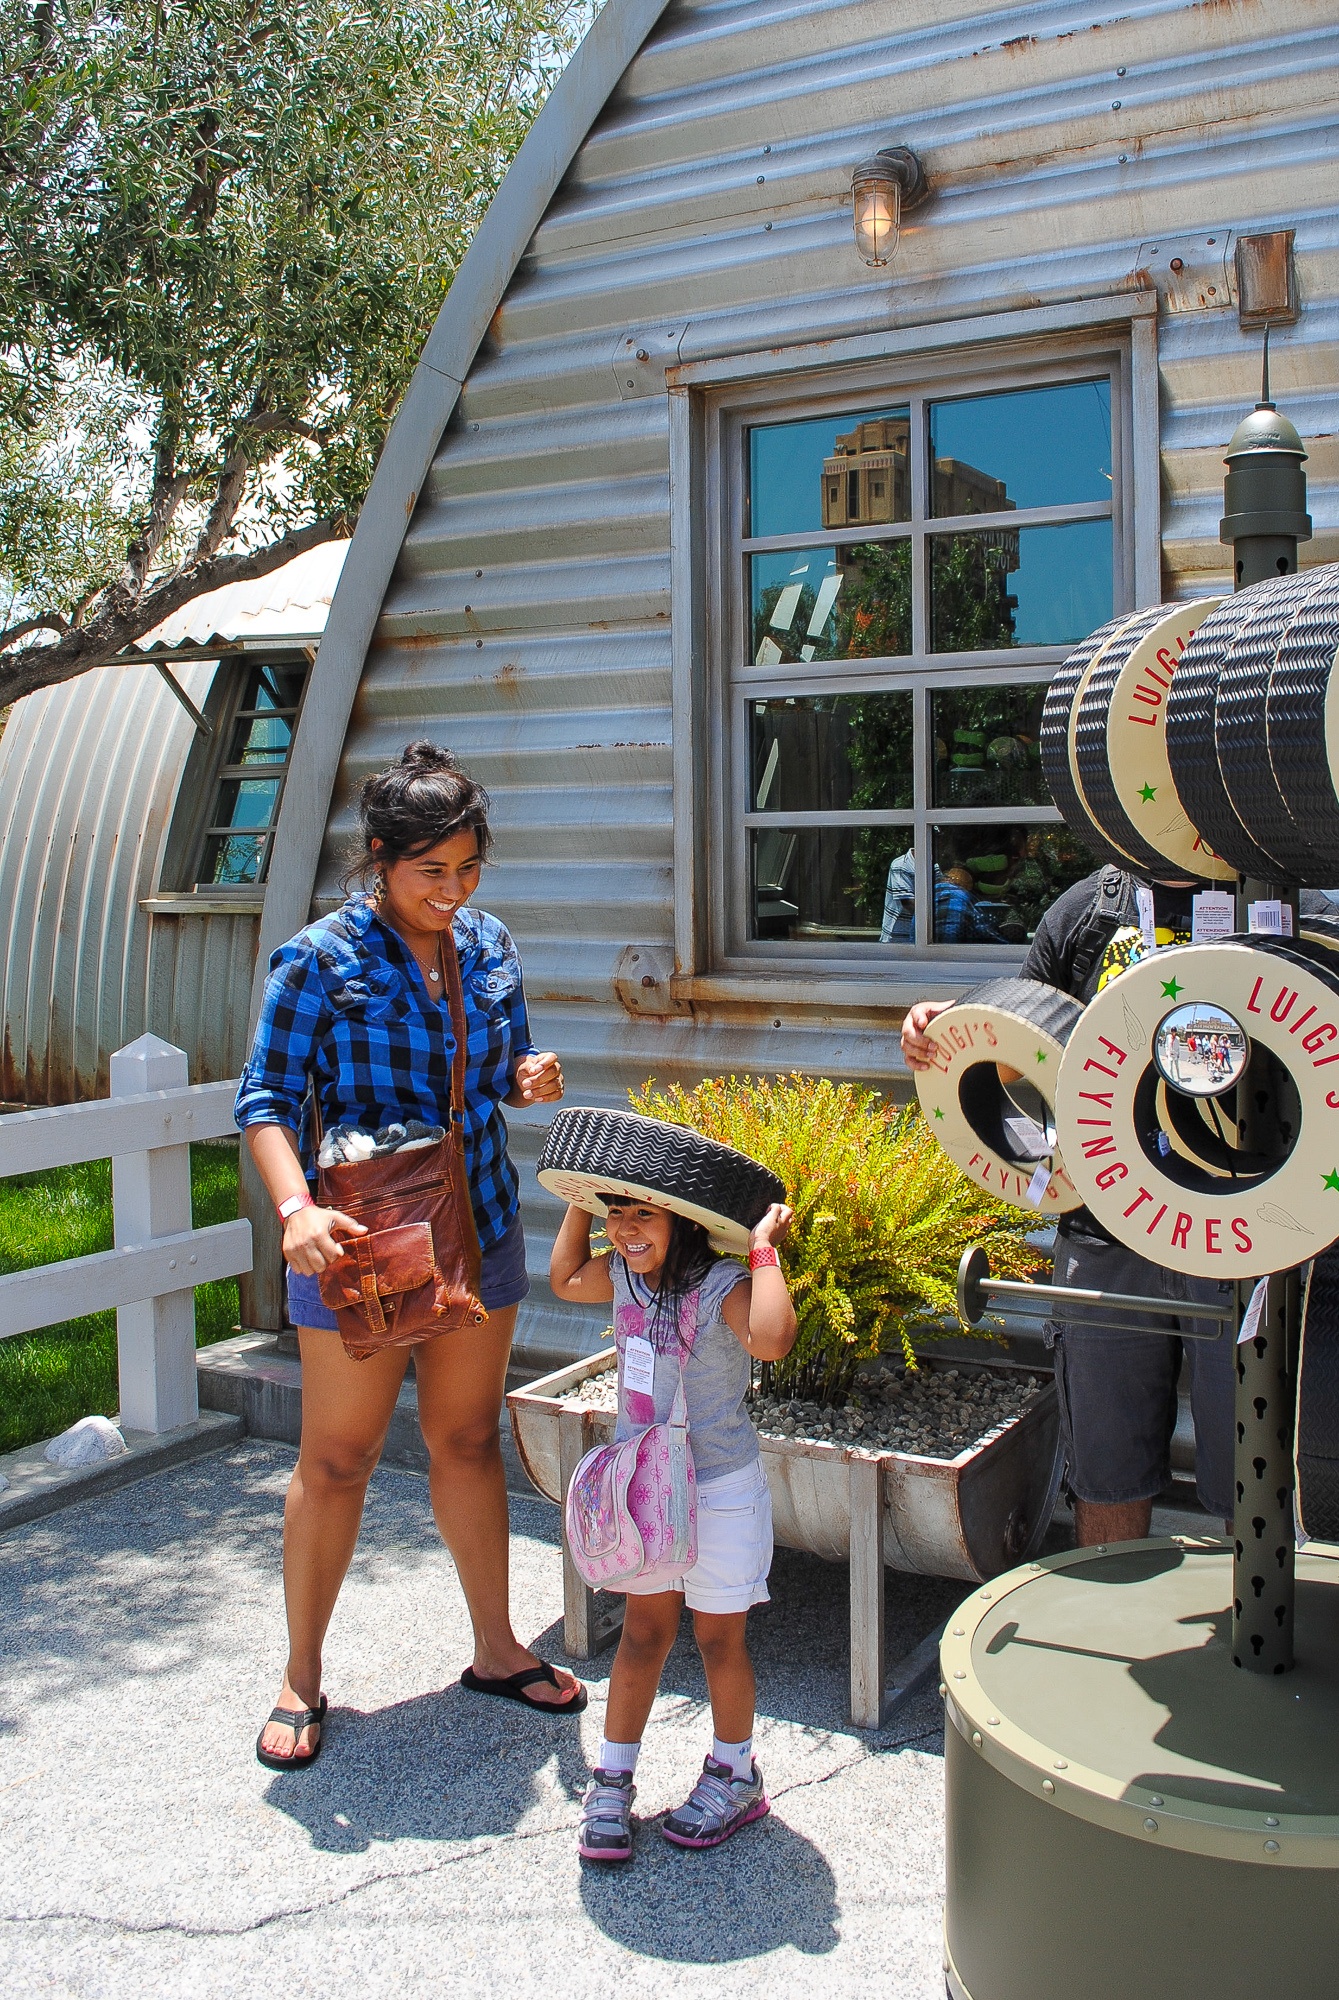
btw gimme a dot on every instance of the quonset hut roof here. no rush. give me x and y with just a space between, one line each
286 607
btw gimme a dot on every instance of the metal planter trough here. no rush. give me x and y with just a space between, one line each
971 1516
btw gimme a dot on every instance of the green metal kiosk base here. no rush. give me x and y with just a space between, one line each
1129 1814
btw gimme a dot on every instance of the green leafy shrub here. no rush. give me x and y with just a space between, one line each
882 1215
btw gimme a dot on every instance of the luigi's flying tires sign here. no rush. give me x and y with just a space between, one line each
1176 1029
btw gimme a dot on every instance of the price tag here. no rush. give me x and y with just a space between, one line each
1037 1186
639 1366
1250 1324
1213 914
1143 897
1272 919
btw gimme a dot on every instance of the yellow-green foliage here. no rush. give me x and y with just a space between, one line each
882 1215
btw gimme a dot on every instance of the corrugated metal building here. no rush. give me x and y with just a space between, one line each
594 556
107 928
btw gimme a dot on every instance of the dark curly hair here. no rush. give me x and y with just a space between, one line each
413 805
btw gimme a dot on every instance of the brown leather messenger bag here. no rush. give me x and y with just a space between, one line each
415 1274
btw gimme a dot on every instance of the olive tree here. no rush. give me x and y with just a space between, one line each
225 229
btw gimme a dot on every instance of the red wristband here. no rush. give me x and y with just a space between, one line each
764 1258
295 1202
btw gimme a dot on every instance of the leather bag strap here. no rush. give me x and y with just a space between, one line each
455 994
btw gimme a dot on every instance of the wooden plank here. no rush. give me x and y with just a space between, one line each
62 1135
54 1292
590 1618
867 1586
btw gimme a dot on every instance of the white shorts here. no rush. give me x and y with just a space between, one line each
734 1546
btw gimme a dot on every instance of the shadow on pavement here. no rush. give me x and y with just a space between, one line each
765 1888
435 1767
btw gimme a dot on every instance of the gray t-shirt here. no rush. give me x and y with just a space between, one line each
715 1369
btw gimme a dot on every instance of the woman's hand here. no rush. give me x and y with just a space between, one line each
310 1243
537 1079
773 1229
917 1049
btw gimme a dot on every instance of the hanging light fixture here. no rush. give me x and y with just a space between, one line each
882 188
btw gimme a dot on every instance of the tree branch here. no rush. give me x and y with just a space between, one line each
102 642
52 623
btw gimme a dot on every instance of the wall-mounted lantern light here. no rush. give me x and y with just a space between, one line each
882 189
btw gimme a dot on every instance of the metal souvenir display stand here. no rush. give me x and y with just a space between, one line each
1142 1752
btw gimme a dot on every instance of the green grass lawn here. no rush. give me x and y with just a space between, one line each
50 1379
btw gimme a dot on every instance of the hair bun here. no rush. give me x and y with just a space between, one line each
425 756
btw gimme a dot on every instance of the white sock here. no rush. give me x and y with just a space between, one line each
617 1756
739 1756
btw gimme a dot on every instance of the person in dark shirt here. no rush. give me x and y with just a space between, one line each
1118 1390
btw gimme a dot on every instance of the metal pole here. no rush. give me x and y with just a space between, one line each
1265 517
1264 1537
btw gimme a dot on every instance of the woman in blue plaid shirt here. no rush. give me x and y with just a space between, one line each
354 1013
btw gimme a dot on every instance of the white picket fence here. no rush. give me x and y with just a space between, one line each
145 1127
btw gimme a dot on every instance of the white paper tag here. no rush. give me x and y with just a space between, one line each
639 1366
1213 914
1143 897
1272 918
1037 1186
1250 1325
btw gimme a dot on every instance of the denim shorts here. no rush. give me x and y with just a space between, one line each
503 1282
1117 1391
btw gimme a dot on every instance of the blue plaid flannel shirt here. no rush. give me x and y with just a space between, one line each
346 1011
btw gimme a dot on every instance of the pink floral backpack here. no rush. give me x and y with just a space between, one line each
632 1507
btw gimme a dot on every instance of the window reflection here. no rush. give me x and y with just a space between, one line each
847 603
822 884
829 472
831 753
987 746
1026 448
1002 587
993 884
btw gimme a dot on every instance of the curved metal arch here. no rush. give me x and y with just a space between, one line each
486 270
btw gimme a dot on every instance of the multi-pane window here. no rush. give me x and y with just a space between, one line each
256 733
912 571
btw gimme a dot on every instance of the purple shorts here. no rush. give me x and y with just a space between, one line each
503 1281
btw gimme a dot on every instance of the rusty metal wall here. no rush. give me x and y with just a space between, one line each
88 779
528 620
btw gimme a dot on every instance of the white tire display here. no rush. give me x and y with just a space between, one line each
1054 738
1149 1194
1022 1025
1118 745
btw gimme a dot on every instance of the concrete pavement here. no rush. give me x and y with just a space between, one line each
431 1849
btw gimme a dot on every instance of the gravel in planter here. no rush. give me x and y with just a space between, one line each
934 1413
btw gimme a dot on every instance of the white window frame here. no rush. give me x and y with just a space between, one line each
711 404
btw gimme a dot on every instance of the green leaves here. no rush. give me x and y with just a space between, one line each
242 216
882 1215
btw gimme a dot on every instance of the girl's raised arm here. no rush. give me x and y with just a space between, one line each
760 1314
573 1272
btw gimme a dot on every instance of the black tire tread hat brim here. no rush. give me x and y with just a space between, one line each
591 1154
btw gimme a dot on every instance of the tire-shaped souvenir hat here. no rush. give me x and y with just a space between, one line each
1162 1200
590 1155
1002 1137
1054 740
1302 721
1192 744
1316 1448
1118 742
1241 730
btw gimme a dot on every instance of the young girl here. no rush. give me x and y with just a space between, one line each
676 1301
